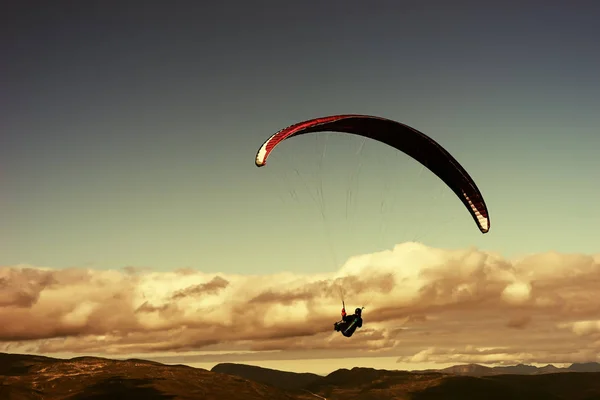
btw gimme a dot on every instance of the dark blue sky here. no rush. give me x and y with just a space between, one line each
129 129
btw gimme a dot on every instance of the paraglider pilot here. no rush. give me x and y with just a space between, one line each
349 323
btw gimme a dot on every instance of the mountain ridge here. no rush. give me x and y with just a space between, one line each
33 377
518 369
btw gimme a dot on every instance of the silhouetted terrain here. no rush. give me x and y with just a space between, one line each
370 384
520 369
273 377
24 377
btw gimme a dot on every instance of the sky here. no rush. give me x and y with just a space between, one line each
127 182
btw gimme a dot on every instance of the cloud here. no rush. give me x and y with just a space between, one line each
422 305
519 322
212 287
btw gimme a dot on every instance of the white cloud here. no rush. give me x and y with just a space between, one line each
422 304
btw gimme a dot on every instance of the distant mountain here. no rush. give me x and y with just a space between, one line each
585 367
549 369
280 379
468 370
25 377
520 369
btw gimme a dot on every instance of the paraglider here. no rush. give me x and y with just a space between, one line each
349 323
402 137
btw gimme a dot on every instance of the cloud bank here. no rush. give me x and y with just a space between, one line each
422 305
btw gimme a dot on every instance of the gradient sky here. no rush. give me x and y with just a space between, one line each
129 135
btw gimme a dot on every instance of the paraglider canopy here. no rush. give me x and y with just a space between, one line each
401 137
